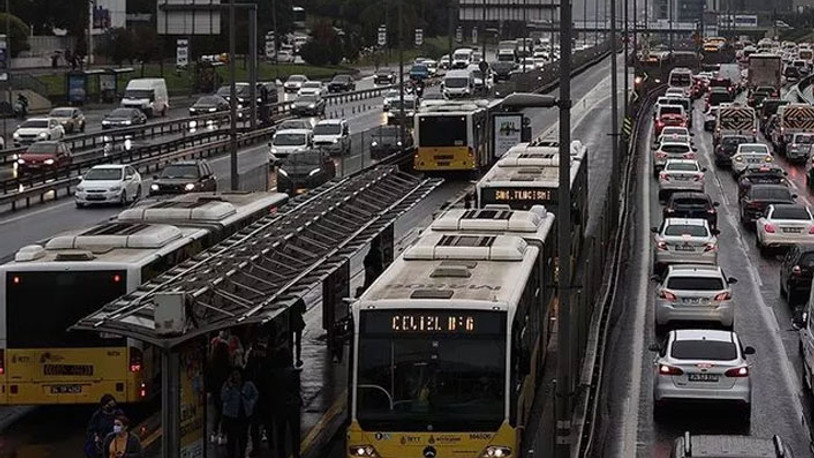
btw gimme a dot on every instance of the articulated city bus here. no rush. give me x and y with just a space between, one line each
448 342
452 137
50 286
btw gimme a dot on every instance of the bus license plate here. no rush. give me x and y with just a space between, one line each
702 377
66 389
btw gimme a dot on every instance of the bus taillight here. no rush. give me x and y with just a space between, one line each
136 359
471 153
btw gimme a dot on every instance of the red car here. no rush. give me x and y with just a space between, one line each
43 157
670 115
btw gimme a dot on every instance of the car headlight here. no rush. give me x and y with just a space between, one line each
105 122
154 187
128 122
21 161
48 162
313 172
16 135
398 143
335 141
282 172
43 134
374 143
193 124
273 150
496 451
115 188
312 105
212 110
362 451
239 106
189 187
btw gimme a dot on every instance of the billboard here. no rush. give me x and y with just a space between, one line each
107 14
173 19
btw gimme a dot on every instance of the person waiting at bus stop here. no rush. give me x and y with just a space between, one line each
121 443
286 403
239 400
100 425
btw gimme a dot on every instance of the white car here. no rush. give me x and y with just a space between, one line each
784 225
37 129
389 97
289 141
694 292
433 99
294 83
684 241
675 92
109 183
313 88
750 153
681 175
670 150
703 365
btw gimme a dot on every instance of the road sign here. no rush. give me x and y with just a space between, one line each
627 126
3 58
271 43
181 53
419 37
459 35
474 35
382 35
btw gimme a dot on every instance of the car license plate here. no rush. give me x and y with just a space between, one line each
66 389
792 230
684 248
754 161
692 300
702 377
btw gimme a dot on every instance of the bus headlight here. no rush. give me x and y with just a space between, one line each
496 451
362 451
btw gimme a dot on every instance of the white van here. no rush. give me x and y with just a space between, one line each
148 95
458 84
461 58
290 141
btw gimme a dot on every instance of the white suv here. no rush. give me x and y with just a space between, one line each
694 292
332 135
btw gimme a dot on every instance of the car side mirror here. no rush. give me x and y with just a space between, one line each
716 204
655 278
732 280
694 149
794 196
128 177
716 232
654 230
654 347
749 350
703 169
692 134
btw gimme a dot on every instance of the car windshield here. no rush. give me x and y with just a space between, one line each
460 56
713 350
791 212
409 104
434 96
386 132
733 141
341 78
138 94
456 82
241 90
675 148
312 85
383 75
327 129
804 138
754 149
391 95
681 167
296 78
674 131
180 171
670 110
696 283
418 69
295 124
303 158
42 148
61 113
308 99
208 100
103 174
289 139
686 229
35 123
121 113
689 202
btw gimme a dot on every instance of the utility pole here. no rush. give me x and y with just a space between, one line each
8 71
670 14
483 34
451 31
232 101
564 351
402 118
253 67
274 25
614 100
627 59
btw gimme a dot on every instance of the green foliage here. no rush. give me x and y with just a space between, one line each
118 45
325 46
19 34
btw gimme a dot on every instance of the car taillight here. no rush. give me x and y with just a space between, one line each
742 371
136 359
796 270
664 369
711 211
768 227
662 246
661 155
664 294
723 296
811 231
664 176
754 205
699 176
710 247
660 123
689 156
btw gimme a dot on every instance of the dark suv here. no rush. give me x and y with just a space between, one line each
184 176
759 196
796 272
727 147
692 205
342 83
305 170
760 174
721 446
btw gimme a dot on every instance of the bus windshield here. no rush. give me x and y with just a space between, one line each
418 382
442 131
41 306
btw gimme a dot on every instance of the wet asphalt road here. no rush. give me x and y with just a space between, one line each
762 320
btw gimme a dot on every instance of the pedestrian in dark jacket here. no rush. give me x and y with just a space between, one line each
218 370
286 403
239 399
100 425
121 443
258 370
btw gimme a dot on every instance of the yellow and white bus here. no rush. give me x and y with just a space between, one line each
448 342
50 286
453 137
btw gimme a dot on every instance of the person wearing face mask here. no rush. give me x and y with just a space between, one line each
121 443
100 425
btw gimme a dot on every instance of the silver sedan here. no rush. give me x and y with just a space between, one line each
684 241
694 292
681 175
703 365
784 225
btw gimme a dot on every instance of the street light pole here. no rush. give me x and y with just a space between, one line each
614 99
483 35
564 352
402 127
234 185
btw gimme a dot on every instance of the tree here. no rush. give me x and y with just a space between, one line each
146 43
18 35
325 46
118 45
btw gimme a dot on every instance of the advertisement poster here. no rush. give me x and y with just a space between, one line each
76 88
508 128
193 400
